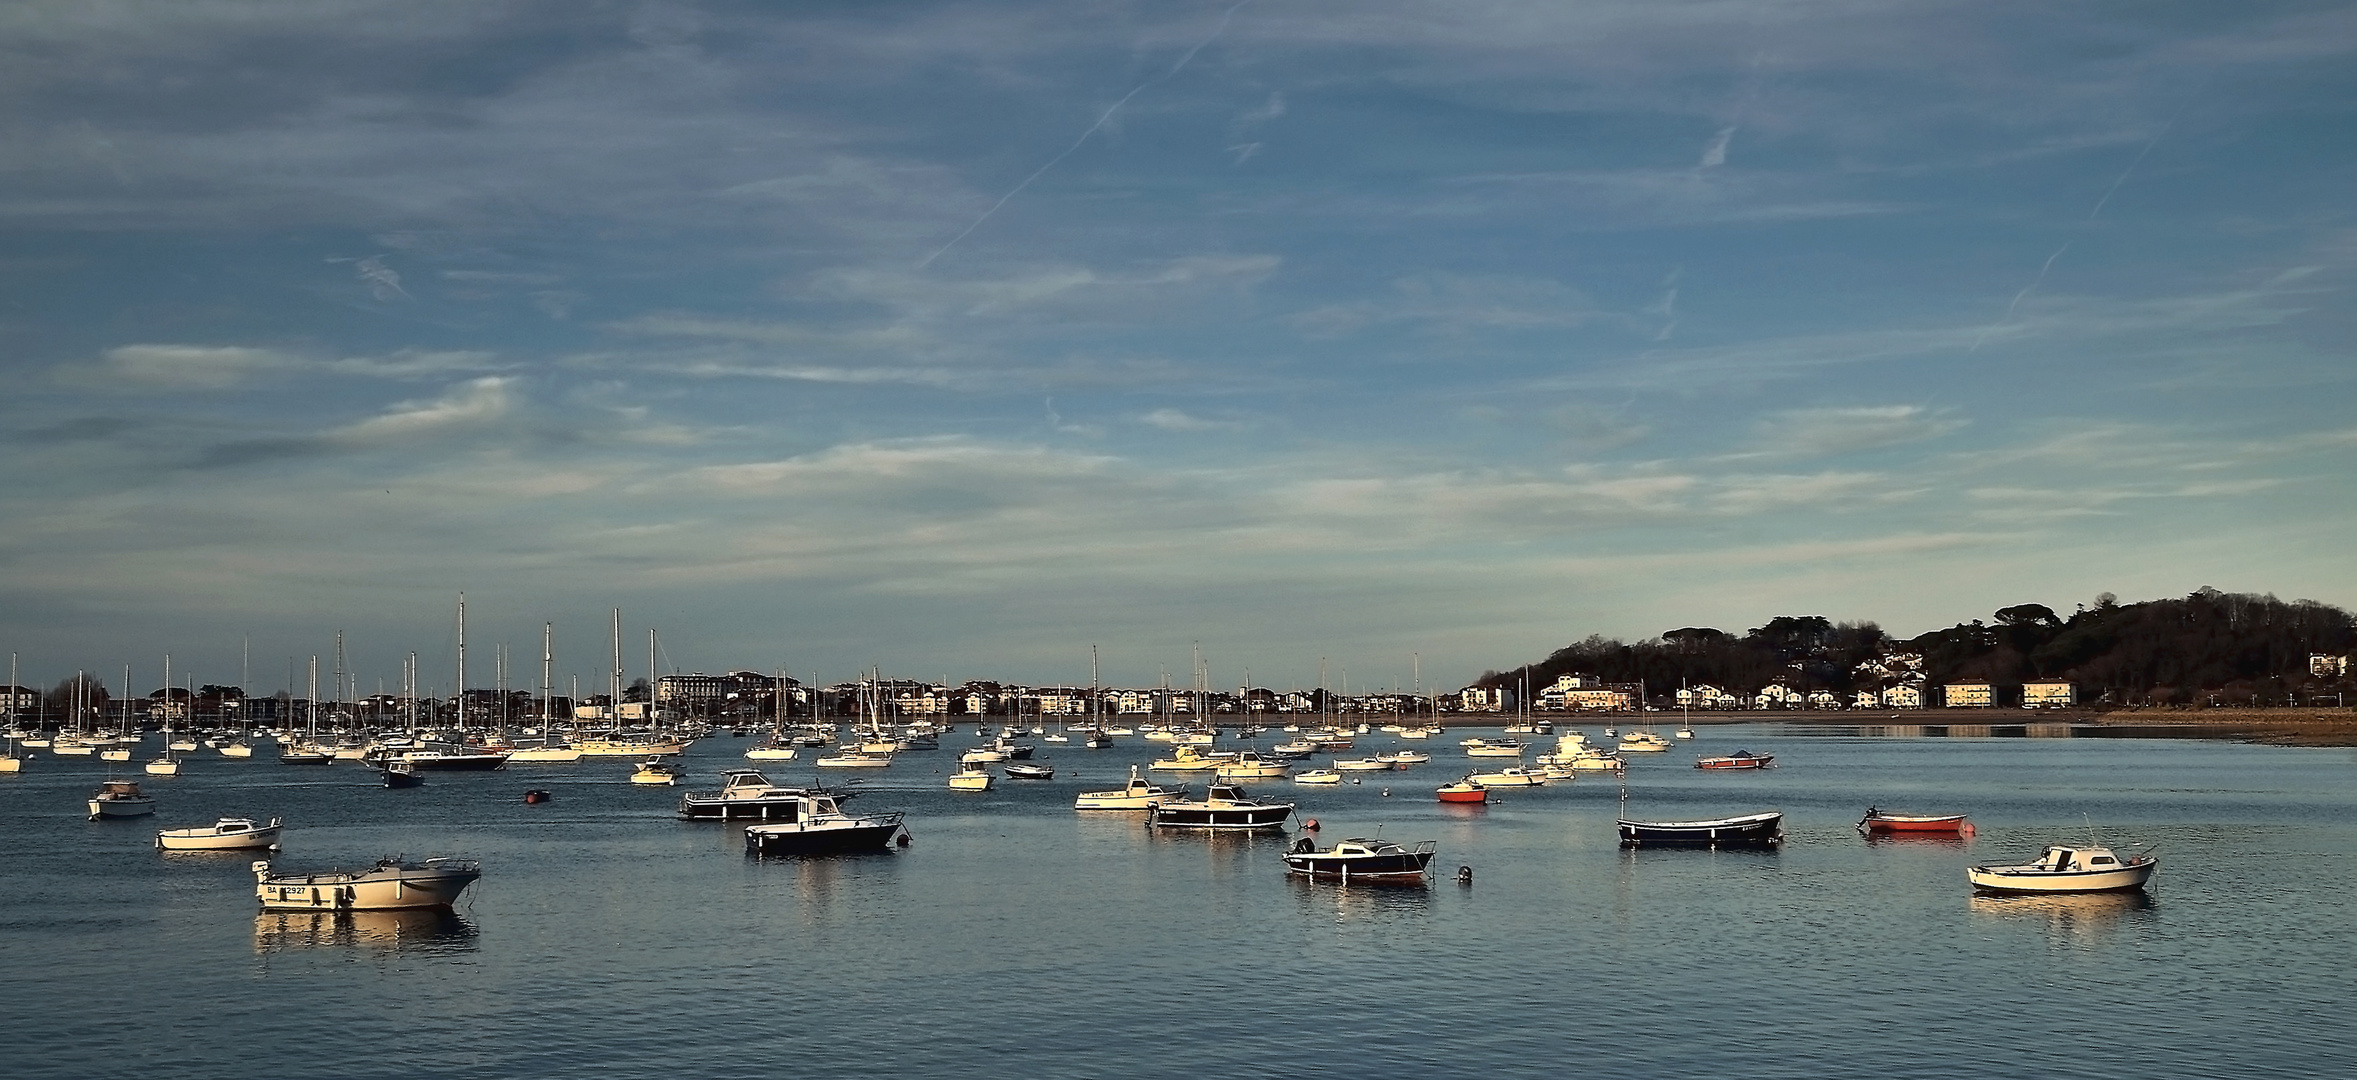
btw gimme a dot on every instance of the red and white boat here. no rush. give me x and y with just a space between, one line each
1740 759
1464 791
1885 821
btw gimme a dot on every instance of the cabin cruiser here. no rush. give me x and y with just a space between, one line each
120 799
971 776
854 759
813 823
1317 776
391 884
1249 765
1365 764
1511 776
1139 794
436 755
1643 742
1467 790
1492 748
1749 830
744 793
400 774
1365 860
1223 806
1740 759
655 772
1023 770
227 834
2067 870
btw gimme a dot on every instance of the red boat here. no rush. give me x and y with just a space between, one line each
1883 821
1464 791
1740 759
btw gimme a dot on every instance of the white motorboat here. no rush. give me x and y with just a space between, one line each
1249 765
1410 757
984 754
1512 776
391 884
547 753
1317 776
744 793
1643 742
120 799
971 776
227 834
2067 870
237 748
1493 748
655 772
1139 794
774 752
1365 764
855 761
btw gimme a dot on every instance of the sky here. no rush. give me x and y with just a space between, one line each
1391 341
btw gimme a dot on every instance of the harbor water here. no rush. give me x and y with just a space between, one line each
1016 937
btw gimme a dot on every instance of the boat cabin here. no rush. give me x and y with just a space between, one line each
2087 859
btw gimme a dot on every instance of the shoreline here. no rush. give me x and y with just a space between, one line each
2308 726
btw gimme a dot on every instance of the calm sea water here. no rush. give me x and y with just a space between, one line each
1018 938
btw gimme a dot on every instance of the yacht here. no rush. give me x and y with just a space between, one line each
744 793
1513 776
1224 806
391 884
1139 794
227 834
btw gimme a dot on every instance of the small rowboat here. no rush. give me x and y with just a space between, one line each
1884 821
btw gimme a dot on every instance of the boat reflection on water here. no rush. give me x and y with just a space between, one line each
2066 914
1361 901
1918 839
410 930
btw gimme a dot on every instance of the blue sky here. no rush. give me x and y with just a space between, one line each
956 338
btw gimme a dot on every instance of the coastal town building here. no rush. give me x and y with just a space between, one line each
2328 667
2048 694
1903 696
1968 695
1484 699
1777 695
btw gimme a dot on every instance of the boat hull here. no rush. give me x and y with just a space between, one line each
226 836
823 836
388 886
1753 830
2016 880
1464 793
1947 824
1198 816
1400 866
121 808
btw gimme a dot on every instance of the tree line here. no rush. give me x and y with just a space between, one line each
2209 646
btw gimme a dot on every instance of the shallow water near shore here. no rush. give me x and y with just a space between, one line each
1015 937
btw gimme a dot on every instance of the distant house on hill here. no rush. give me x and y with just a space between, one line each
1484 699
2328 667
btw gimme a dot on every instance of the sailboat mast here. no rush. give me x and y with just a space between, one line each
547 657
462 661
614 682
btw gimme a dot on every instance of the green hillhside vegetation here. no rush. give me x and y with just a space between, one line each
2208 647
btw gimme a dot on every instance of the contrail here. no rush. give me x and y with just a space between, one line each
2091 214
1216 31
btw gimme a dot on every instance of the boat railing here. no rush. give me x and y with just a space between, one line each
1425 847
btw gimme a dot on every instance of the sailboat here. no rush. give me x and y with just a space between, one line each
168 765
779 747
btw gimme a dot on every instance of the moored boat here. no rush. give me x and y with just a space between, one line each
1139 794
1360 859
1512 776
744 793
2060 869
1365 764
227 834
389 885
655 772
1023 770
971 776
120 799
1748 830
813 823
1467 790
1740 759
1317 776
400 774
1223 806
1885 821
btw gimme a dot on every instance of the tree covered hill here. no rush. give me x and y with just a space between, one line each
2232 647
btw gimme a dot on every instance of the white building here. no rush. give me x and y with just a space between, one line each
2050 694
1968 695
